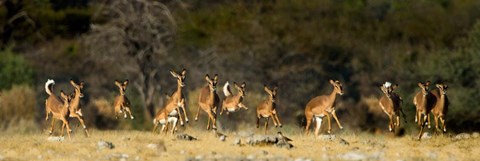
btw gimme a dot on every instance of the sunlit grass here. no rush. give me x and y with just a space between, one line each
34 146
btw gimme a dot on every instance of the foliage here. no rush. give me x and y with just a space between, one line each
14 69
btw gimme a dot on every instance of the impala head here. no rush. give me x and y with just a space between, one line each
442 87
424 87
78 87
337 86
212 83
180 77
241 89
122 86
271 93
388 88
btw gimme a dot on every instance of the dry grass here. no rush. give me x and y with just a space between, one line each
35 146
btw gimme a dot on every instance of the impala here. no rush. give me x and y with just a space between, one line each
164 118
122 104
267 108
441 107
58 108
75 108
232 103
391 105
208 101
424 102
177 96
322 106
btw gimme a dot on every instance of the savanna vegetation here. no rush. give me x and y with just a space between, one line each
296 44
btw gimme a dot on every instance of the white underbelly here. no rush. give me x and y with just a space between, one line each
173 113
231 109
170 119
265 115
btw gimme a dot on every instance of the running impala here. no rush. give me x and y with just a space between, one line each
59 108
268 108
233 103
322 106
209 101
390 103
122 104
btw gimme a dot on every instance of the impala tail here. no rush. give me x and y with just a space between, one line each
48 87
226 89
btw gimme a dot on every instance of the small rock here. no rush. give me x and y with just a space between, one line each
263 152
160 147
475 135
343 142
353 156
185 137
222 138
327 137
251 157
56 138
236 141
199 157
105 144
426 135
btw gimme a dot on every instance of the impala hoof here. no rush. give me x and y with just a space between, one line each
280 126
341 127
196 118
131 117
186 121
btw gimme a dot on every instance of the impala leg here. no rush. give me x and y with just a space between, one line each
51 127
419 115
208 123
329 124
127 109
80 119
442 119
429 118
336 119
309 121
179 115
273 120
318 122
390 123
155 125
63 127
198 113
242 106
214 121
185 112
258 120
266 125
174 125
278 121
435 118
65 122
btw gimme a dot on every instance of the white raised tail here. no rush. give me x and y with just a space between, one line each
226 89
47 86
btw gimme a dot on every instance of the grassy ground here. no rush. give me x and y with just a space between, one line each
132 145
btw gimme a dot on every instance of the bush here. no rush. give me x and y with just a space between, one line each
17 108
14 70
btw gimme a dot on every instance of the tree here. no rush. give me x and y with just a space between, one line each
135 40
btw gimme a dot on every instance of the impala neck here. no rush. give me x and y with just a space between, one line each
76 100
332 97
211 95
442 98
178 93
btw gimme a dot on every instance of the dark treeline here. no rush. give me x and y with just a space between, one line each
297 44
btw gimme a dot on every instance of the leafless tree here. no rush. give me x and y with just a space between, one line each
133 38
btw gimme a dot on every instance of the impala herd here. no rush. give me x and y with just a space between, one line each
425 101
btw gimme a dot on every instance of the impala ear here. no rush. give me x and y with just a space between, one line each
266 89
427 83
173 73
63 95
215 78
117 83
184 71
73 82
438 85
125 82
244 85
332 82
207 77
420 84
394 86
